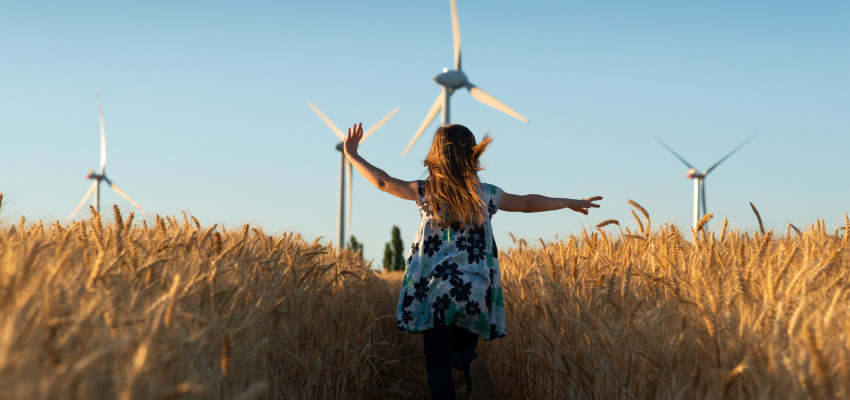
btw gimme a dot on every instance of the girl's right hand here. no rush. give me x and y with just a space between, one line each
352 140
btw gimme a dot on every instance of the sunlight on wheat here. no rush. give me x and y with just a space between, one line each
109 308
115 310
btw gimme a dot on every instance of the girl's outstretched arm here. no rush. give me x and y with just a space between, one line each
536 203
402 189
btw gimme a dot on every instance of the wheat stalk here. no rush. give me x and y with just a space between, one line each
639 222
119 227
185 220
761 226
645 215
160 225
225 354
704 220
608 222
217 243
794 228
822 372
128 224
172 300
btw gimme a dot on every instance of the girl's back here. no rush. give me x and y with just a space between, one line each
452 275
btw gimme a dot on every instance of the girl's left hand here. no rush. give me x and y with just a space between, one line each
582 206
352 140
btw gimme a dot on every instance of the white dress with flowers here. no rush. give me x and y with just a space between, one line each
452 275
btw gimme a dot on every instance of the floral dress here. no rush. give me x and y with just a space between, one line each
452 275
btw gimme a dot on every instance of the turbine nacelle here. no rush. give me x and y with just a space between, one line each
92 175
452 79
694 174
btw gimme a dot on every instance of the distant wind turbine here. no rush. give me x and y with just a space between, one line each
345 170
455 79
699 179
95 187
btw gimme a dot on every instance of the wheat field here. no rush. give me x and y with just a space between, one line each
648 314
110 308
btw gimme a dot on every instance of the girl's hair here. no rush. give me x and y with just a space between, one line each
453 165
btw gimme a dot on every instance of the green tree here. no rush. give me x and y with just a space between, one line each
398 249
355 246
388 258
394 252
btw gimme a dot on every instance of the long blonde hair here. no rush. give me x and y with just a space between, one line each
452 187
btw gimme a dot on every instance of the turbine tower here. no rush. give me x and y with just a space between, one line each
345 171
456 79
95 187
699 179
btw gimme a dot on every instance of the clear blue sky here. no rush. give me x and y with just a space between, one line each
205 107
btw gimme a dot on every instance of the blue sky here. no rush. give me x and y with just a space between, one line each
205 107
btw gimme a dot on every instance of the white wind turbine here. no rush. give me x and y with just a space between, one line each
456 79
699 179
95 187
345 171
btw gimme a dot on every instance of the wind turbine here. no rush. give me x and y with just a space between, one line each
456 79
345 170
699 179
95 187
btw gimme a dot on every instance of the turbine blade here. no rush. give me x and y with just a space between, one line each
432 113
333 127
85 199
125 195
378 125
486 98
348 175
727 156
456 34
702 189
102 137
675 154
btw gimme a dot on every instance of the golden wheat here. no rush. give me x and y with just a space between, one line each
96 310
117 310
758 216
704 220
660 317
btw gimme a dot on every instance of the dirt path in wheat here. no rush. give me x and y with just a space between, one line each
406 378
403 373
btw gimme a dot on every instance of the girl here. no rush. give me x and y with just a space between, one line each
452 289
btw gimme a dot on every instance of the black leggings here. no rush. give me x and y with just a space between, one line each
447 347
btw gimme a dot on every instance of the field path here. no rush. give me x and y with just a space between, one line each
405 378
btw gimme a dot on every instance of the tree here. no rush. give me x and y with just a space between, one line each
394 252
355 246
398 249
388 258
